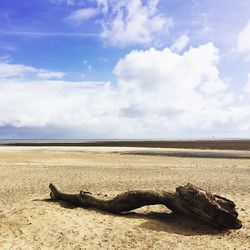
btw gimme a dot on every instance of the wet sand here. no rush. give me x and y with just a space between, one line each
229 144
29 221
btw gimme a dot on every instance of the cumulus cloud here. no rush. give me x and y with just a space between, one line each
158 94
135 22
213 85
168 71
171 91
126 22
180 43
244 39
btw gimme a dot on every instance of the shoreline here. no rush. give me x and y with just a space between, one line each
184 144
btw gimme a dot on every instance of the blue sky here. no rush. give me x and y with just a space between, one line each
124 69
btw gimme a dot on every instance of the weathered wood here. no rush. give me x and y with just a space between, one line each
188 200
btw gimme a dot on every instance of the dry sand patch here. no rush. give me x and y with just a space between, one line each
29 222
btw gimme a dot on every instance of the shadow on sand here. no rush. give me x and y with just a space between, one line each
174 223
168 222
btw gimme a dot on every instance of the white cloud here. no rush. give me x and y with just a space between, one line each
244 39
213 86
68 2
82 14
87 65
20 71
11 70
164 87
180 43
158 93
42 103
103 5
247 87
134 22
5 58
126 22
51 74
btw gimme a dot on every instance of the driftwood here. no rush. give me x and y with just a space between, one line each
188 200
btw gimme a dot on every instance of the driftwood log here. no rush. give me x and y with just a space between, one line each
188 200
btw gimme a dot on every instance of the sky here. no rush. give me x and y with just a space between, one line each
124 69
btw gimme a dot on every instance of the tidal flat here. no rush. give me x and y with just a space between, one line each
29 220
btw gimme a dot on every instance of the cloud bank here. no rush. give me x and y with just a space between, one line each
157 94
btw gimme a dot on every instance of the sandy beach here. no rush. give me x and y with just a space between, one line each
30 221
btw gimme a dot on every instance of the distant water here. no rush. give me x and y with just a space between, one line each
16 141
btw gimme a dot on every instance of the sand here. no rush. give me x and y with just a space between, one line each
29 221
